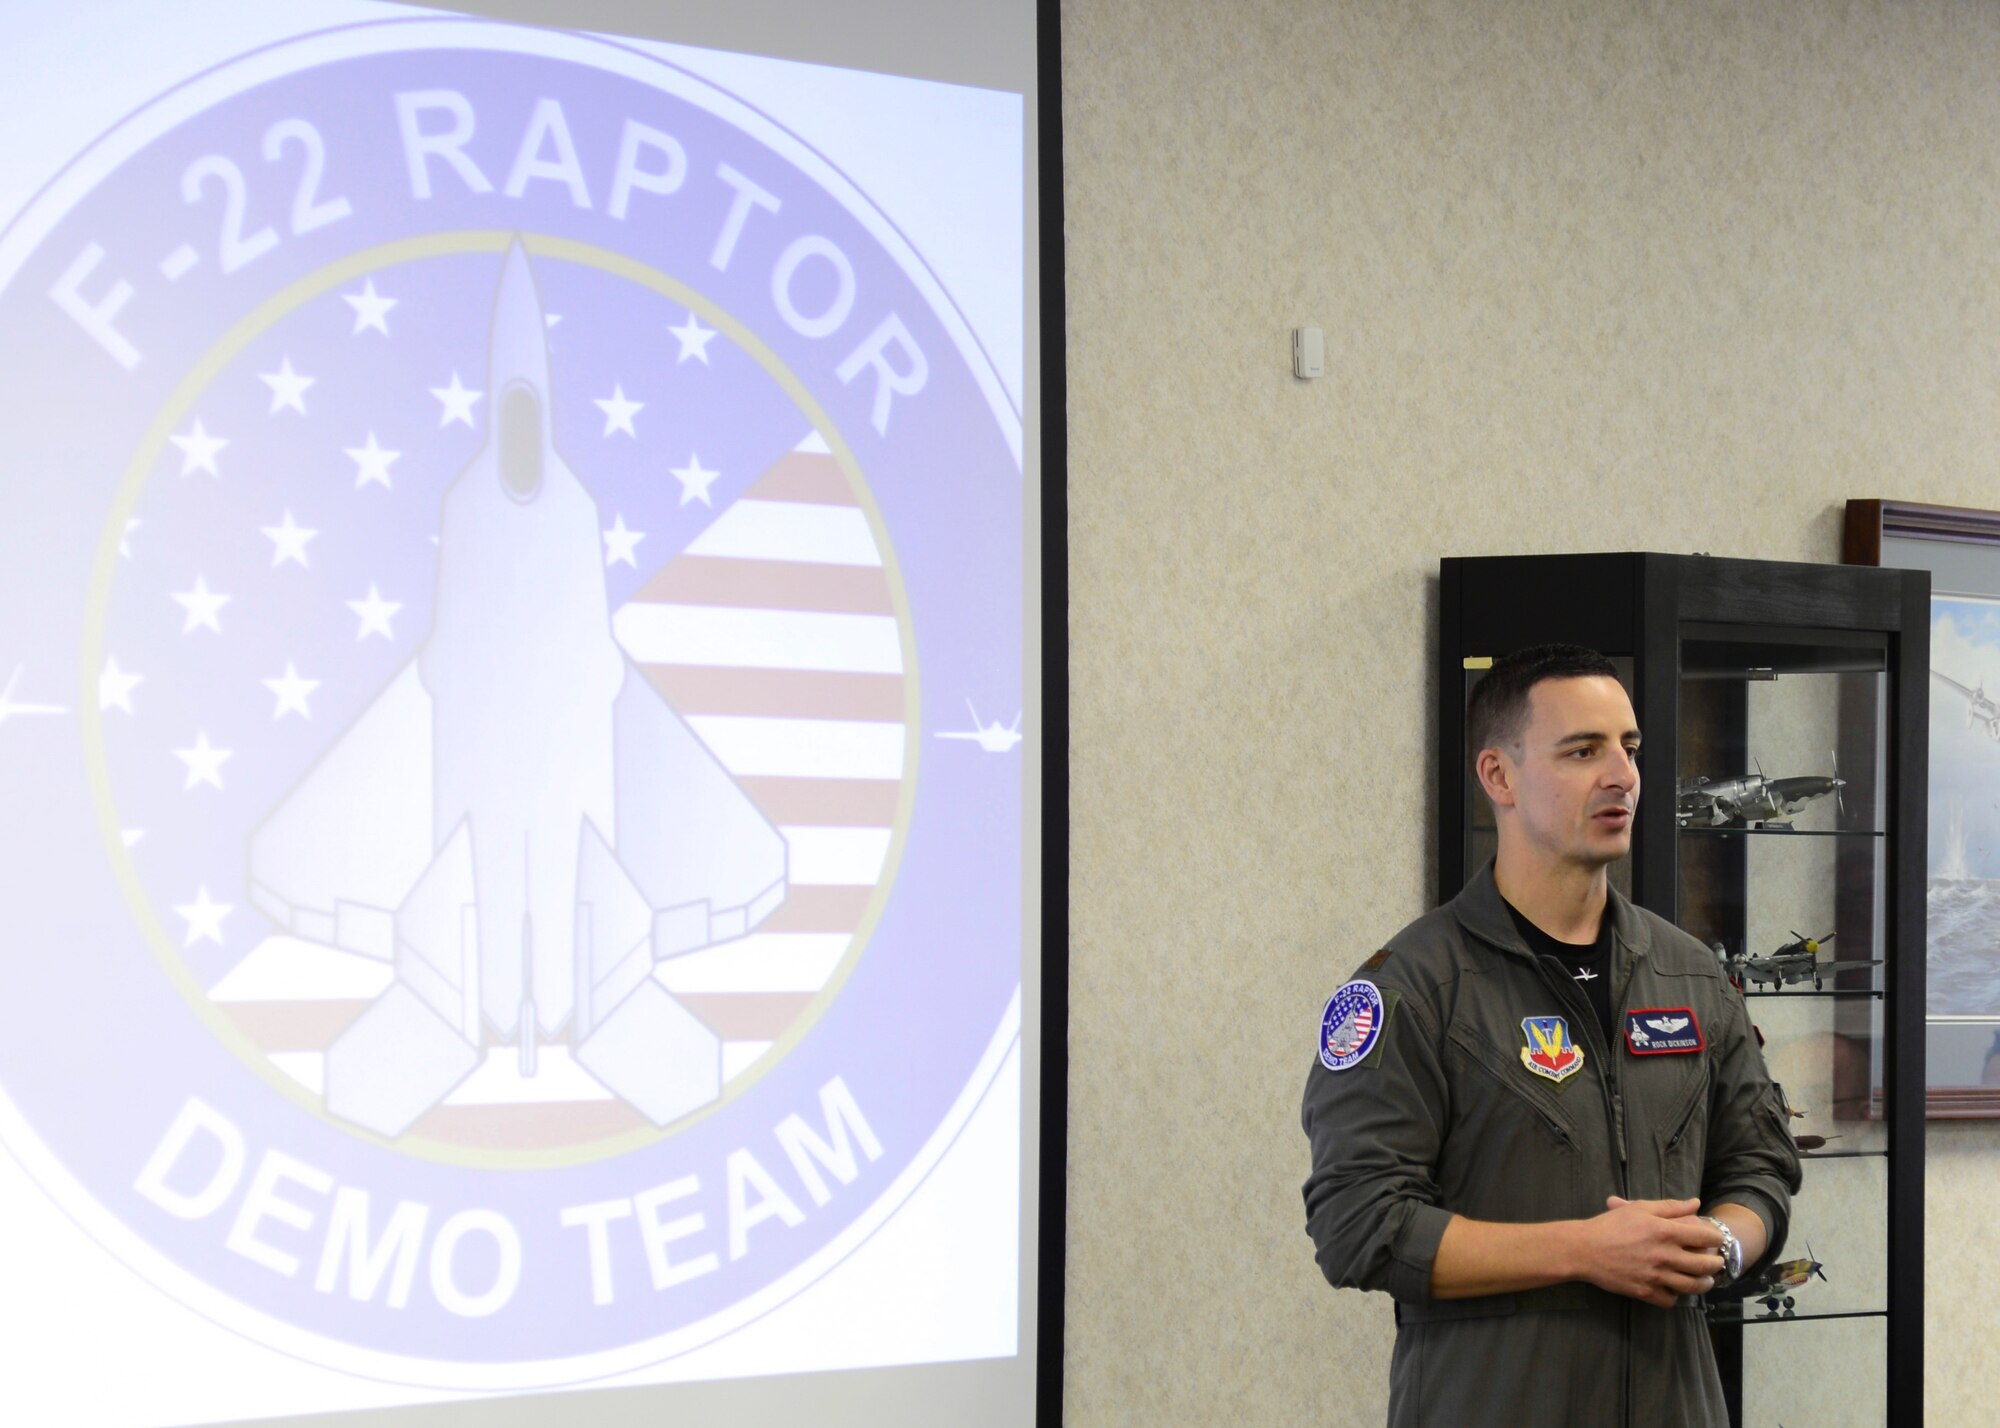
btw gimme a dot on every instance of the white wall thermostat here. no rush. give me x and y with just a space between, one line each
1308 352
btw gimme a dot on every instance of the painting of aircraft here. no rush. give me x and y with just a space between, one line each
1980 710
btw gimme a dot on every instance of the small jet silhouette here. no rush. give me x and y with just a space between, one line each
995 738
8 708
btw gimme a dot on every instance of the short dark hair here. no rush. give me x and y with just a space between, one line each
1498 710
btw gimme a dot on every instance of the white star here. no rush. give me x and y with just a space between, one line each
375 613
371 463
115 685
619 410
458 400
620 543
125 538
694 480
289 542
288 388
202 604
198 450
694 339
291 690
371 309
204 762
204 918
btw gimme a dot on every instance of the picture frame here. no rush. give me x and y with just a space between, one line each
1960 546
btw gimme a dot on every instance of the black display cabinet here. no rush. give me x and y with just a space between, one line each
1781 820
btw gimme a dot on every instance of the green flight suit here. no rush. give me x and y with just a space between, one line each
1442 1117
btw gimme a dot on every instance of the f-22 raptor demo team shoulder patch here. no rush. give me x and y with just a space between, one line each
1353 1023
511 488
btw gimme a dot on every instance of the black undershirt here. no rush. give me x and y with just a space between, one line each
1588 965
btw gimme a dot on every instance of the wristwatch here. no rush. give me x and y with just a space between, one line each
1732 1253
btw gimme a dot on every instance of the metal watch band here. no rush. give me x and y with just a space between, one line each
1732 1253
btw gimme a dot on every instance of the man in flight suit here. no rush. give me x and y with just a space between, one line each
1539 1118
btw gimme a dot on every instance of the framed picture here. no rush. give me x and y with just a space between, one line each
1961 549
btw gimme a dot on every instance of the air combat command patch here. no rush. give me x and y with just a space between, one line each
491 497
1551 1052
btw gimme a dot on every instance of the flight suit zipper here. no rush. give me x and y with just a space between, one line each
1614 1104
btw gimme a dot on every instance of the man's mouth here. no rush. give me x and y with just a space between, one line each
1618 816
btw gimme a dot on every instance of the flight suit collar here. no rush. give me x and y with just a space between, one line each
1481 911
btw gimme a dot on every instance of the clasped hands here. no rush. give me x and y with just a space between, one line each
1651 1250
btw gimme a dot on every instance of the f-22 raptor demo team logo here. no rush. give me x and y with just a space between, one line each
499 528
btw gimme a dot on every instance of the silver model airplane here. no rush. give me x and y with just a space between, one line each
1795 962
1980 710
519 823
995 738
9 708
1750 800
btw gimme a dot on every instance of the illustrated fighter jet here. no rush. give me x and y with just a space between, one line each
995 738
1980 710
9 708
1797 961
1750 800
518 823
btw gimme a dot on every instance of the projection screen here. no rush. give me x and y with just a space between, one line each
520 698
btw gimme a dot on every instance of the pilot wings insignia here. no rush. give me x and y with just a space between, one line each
1662 1031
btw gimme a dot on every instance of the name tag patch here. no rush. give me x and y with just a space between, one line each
1351 1025
1662 1031
1551 1052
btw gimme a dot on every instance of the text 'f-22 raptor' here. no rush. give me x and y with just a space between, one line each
519 822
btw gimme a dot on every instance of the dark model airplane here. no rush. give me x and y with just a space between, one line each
1797 961
1980 710
1778 1280
1750 800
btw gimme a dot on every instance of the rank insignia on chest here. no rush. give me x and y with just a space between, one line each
1662 1031
1551 1051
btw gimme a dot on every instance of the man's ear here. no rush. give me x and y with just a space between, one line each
1496 776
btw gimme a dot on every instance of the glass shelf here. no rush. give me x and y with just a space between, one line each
1731 1315
1829 992
1702 831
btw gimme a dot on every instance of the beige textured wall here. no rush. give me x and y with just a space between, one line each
1593 276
